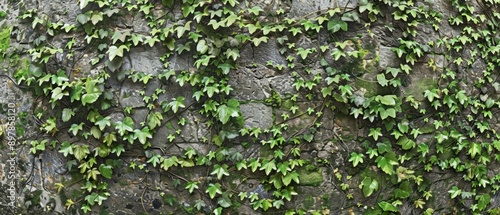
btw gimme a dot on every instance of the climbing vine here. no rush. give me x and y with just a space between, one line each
447 125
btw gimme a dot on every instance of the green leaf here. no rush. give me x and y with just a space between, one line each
66 149
220 171
404 191
106 171
102 122
126 126
213 189
336 24
386 163
381 80
84 3
256 41
58 94
75 128
117 35
454 192
155 159
114 51
167 3
308 137
254 164
82 18
386 206
356 158
474 150
169 162
268 166
225 112
387 99
289 177
90 98
369 185
96 17
483 201
142 135
191 186
406 143
375 133
67 113
80 151
177 103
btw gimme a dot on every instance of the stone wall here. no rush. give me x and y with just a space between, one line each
328 184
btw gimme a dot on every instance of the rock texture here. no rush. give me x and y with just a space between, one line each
256 85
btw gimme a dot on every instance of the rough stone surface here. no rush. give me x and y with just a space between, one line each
264 93
257 115
249 84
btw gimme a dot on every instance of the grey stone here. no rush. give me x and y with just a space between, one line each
132 99
248 86
257 115
262 54
387 57
303 7
147 59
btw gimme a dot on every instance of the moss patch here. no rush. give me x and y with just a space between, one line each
309 178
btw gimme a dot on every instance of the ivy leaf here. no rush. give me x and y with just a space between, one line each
106 171
406 143
177 103
220 171
369 185
82 18
83 3
75 128
254 164
102 122
191 186
356 159
229 110
114 51
454 192
126 126
255 10
118 150
387 99
381 80
474 150
66 148
142 135
225 67
386 206
213 189
375 133
169 162
483 201
96 17
404 191
336 24
386 163
256 41
58 94
90 98
432 94
154 119
268 166
232 53
289 177
67 113
117 35
80 151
